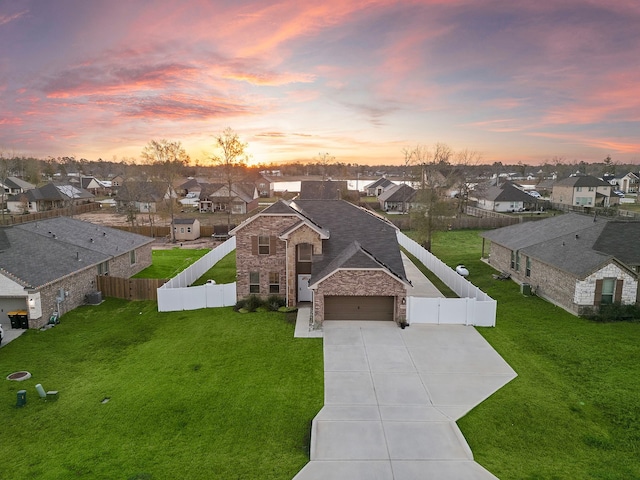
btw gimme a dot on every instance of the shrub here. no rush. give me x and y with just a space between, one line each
253 302
240 304
274 302
615 312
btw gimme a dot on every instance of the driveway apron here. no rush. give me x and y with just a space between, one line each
392 398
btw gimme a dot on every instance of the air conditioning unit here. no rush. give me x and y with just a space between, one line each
94 298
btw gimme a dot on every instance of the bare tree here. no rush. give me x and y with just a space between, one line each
168 159
464 175
324 161
232 158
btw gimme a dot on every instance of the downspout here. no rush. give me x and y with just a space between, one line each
286 269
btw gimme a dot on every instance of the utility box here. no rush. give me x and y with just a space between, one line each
525 289
22 398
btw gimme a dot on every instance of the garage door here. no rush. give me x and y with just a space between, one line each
10 305
358 308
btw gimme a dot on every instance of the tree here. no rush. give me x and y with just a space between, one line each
324 161
232 158
168 159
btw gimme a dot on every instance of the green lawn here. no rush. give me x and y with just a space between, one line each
222 272
206 394
574 410
168 263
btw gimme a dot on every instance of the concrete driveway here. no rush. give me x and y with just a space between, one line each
392 397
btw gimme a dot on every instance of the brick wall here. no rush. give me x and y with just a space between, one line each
585 289
303 234
359 282
82 283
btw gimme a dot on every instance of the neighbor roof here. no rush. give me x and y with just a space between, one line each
399 193
582 181
506 193
578 244
37 253
381 182
321 190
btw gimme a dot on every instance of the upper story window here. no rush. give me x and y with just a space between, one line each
305 250
263 244
132 257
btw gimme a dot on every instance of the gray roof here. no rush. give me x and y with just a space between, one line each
506 193
322 190
37 253
184 221
347 223
381 182
399 193
582 181
15 182
578 244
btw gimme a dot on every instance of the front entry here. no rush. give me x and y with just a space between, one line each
304 292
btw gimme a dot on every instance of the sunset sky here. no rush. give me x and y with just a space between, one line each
516 81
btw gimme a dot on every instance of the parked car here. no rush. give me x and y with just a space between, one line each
535 194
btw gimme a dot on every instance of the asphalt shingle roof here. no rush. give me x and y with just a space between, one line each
399 193
38 253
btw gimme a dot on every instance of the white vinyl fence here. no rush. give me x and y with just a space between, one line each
474 307
176 294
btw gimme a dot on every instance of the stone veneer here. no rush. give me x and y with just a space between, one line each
586 289
360 282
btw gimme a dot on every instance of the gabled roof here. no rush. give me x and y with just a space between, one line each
140 191
582 181
15 182
399 193
506 193
37 253
381 182
184 221
322 190
578 244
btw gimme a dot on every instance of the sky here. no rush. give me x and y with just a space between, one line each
362 80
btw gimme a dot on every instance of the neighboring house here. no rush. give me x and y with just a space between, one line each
574 261
323 190
48 197
117 181
398 198
625 183
93 185
15 185
342 258
193 187
216 198
376 188
186 229
51 265
505 198
583 191
143 197
263 183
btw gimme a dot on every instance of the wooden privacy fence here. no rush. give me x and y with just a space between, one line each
129 288
14 218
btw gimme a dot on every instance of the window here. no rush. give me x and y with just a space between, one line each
103 268
263 245
181 229
517 261
305 250
608 287
578 189
527 271
591 189
254 282
132 257
513 260
274 282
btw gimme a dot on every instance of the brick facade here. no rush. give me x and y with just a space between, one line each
363 283
78 285
585 289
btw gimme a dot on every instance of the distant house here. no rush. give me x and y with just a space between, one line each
143 197
583 191
625 183
48 197
185 229
505 198
323 189
242 199
263 183
376 188
574 261
15 185
51 265
397 199
93 185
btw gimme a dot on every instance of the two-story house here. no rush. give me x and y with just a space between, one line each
582 191
342 258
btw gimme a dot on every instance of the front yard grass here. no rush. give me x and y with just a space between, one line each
574 409
205 394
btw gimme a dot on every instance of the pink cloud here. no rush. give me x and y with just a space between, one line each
4 19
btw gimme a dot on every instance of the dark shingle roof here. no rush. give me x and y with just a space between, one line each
44 251
622 240
322 190
399 193
507 193
347 224
381 182
583 181
184 221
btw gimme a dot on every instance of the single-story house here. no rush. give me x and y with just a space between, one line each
215 197
143 197
343 259
48 197
186 229
51 265
574 261
504 198
398 198
376 188
15 185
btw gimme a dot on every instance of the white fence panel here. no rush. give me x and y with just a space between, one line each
176 294
474 307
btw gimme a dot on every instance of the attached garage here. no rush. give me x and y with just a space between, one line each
8 304
358 308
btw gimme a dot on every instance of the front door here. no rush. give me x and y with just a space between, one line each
304 293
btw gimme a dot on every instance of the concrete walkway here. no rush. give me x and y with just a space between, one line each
392 397
422 286
10 334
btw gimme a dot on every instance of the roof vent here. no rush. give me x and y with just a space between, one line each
91 240
577 236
